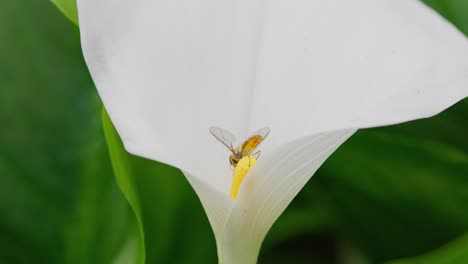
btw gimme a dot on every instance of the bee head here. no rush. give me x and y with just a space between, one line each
233 161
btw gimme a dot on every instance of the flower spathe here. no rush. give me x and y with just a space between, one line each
314 71
240 225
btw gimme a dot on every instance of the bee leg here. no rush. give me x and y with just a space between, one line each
256 155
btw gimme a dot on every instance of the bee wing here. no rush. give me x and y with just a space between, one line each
254 140
263 132
223 136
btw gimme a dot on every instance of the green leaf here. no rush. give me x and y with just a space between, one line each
68 8
103 227
454 10
172 223
58 197
456 252
400 193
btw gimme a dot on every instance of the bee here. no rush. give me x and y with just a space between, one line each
244 149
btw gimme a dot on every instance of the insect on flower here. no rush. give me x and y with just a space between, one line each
244 149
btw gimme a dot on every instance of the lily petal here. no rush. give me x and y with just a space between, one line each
354 64
241 226
314 71
269 189
168 70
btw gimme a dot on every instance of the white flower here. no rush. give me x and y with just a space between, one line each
314 71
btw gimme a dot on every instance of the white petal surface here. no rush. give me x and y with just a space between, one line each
335 64
168 70
312 70
270 186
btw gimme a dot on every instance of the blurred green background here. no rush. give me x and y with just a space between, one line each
395 195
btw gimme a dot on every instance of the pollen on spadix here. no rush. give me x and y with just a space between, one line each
242 168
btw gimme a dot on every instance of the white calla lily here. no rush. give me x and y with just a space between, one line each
314 71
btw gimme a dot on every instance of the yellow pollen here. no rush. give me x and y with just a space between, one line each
242 168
